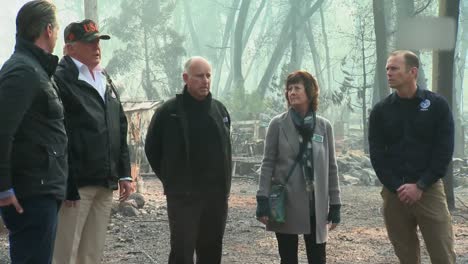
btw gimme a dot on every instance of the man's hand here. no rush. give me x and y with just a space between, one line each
71 203
125 189
263 219
409 193
11 200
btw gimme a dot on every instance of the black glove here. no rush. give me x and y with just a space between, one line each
334 213
263 207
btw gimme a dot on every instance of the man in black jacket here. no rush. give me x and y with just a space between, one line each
411 145
98 151
33 141
188 146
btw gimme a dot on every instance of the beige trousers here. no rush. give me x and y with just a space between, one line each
432 217
81 230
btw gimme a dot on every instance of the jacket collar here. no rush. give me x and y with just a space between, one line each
47 61
420 95
192 104
68 65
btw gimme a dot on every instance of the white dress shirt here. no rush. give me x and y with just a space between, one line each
98 82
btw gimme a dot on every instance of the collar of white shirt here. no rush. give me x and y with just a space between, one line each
99 80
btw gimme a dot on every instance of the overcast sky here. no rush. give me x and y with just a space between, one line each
7 27
8 12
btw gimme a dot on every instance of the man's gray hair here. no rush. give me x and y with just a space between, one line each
188 63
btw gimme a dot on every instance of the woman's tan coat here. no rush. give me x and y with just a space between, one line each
281 149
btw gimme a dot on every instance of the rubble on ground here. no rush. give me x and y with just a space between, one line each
354 165
131 207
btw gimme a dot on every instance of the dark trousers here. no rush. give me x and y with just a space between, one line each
32 233
197 224
287 246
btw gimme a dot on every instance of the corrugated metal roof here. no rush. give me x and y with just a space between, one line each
134 106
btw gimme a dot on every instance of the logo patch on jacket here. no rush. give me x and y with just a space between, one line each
425 105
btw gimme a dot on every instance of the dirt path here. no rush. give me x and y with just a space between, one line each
361 238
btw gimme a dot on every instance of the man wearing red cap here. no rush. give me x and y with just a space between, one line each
98 152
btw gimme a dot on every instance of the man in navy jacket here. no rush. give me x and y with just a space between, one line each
411 138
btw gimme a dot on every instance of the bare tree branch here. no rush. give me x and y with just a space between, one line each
416 12
459 215
462 202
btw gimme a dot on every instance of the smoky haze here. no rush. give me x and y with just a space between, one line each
254 44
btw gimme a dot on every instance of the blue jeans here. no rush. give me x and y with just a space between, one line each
32 233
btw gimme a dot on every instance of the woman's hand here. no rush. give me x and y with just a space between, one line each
263 209
263 219
334 217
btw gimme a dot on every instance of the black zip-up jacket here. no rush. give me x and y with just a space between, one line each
411 140
97 131
33 140
168 146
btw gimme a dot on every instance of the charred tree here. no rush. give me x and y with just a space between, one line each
443 81
380 84
219 63
284 40
91 10
238 50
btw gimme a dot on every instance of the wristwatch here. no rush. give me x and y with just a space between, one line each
421 186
